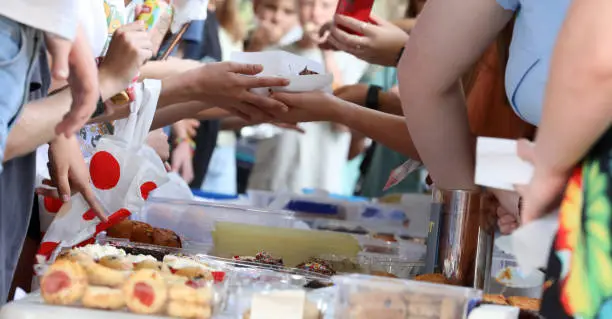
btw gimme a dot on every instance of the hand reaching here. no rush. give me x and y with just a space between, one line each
380 44
545 190
182 164
227 85
158 140
75 63
69 174
129 49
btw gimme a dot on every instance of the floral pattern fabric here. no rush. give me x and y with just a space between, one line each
579 274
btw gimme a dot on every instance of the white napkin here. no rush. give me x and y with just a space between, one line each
288 65
531 244
498 164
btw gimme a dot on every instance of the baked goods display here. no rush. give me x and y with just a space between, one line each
104 277
144 233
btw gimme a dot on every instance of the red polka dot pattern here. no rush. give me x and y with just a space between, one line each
89 215
146 188
47 248
104 170
52 205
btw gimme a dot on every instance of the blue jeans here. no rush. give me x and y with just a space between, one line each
221 176
19 47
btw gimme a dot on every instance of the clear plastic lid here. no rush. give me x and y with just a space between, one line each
361 296
194 220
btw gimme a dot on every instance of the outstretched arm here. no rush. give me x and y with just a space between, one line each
448 39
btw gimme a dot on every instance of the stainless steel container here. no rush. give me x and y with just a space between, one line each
465 237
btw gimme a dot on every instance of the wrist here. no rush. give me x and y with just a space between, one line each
108 84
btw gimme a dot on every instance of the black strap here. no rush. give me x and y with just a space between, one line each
371 101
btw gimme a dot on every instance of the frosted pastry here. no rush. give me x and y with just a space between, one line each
186 293
116 262
99 275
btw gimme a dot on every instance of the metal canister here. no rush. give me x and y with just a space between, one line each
465 237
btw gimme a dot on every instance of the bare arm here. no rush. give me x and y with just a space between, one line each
450 36
164 69
36 125
579 92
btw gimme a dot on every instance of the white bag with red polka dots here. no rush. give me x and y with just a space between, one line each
123 172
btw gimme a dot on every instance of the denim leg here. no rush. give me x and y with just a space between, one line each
18 50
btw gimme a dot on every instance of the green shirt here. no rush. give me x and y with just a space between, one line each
385 159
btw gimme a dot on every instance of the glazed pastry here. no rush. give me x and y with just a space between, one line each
99 275
116 262
166 238
103 298
151 264
525 303
145 292
495 299
141 233
194 273
121 230
185 293
181 309
64 283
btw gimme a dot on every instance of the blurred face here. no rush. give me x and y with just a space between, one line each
315 13
282 13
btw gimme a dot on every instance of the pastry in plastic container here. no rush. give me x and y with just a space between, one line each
364 297
64 283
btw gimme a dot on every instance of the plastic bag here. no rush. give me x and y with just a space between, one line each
123 172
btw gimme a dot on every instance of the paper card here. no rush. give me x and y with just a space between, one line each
498 164
288 65
279 305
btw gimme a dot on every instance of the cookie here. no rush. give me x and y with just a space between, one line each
151 264
181 309
76 256
99 275
194 272
145 292
64 283
525 303
185 293
116 262
103 298
495 299
432 278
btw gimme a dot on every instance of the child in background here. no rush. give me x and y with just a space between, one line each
277 25
293 161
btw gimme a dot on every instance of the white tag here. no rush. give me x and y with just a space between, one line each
279 305
498 164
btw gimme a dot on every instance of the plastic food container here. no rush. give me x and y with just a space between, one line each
364 297
194 221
